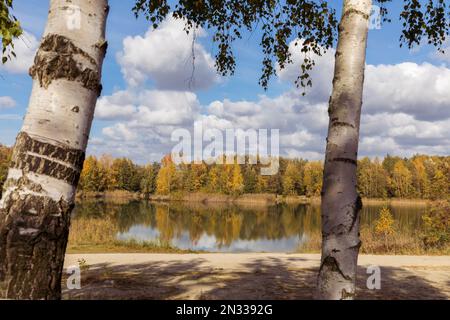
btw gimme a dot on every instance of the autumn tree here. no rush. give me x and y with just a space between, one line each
148 181
421 182
236 183
93 176
125 175
214 184
372 179
166 176
312 178
292 179
401 180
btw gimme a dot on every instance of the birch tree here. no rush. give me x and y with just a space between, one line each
341 203
50 149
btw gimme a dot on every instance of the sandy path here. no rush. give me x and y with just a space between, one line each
248 276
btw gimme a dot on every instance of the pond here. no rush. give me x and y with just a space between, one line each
220 227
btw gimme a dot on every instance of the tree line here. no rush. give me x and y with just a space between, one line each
419 177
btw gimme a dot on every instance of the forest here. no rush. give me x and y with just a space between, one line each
418 177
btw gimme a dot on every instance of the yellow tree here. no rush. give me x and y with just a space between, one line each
166 176
236 184
420 178
93 177
312 178
214 184
401 180
291 179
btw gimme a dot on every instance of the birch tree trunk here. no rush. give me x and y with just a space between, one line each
341 203
49 152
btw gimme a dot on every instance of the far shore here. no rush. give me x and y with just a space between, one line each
253 198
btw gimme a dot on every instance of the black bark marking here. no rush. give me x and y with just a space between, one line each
342 124
346 160
22 160
357 206
332 265
33 237
357 12
55 60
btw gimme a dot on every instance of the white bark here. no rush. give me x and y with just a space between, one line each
341 203
49 152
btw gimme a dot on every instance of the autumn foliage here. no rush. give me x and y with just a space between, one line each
419 177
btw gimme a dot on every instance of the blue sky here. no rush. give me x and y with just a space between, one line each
405 110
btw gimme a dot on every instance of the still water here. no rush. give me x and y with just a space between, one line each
223 227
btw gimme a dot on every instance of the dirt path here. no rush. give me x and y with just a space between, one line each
247 276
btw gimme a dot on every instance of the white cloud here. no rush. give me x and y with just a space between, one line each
7 102
405 111
418 90
25 49
118 106
165 56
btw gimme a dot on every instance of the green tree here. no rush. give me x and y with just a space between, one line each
10 29
125 175
148 181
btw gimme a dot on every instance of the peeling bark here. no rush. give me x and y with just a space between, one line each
49 152
47 159
56 59
341 204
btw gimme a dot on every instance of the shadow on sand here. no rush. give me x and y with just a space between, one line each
263 279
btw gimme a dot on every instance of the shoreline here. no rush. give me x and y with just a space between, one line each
254 198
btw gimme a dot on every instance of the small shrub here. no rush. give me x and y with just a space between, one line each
384 225
84 266
436 226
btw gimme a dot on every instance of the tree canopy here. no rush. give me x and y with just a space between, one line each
9 29
312 24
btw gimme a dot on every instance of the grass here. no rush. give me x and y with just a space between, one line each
99 236
396 201
385 237
396 244
129 246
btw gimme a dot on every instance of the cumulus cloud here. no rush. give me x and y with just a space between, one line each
405 112
420 90
25 49
119 106
166 56
7 102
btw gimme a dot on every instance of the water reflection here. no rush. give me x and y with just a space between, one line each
223 227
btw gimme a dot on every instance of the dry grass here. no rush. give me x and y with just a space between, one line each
99 236
398 243
115 196
396 202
